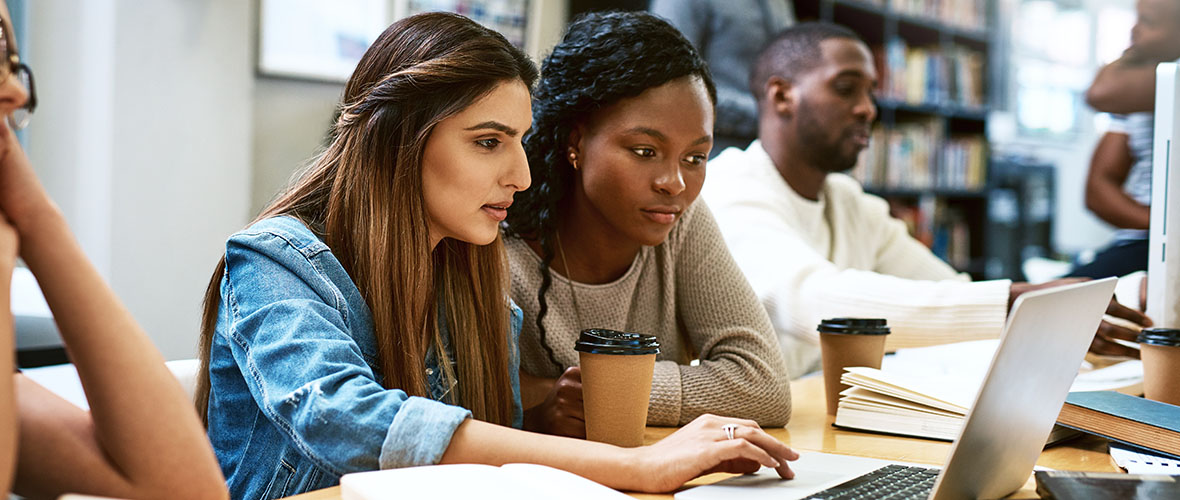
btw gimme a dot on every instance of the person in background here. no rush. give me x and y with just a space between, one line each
729 34
813 244
141 437
1118 185
609 235
363 321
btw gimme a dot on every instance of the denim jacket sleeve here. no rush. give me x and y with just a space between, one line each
296 343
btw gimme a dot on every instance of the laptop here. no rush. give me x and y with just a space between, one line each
1041 349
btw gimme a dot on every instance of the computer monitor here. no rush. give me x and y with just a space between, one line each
1163 267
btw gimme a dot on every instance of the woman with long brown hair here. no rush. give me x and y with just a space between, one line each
363 320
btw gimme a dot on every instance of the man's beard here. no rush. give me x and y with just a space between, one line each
818 150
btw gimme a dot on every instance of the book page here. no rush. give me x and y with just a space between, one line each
510 482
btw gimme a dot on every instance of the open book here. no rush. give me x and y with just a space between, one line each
486 482
926 392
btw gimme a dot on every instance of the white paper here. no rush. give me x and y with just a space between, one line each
1141 463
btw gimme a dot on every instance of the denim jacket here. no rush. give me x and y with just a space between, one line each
296 398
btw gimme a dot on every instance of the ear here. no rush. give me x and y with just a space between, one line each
574 141
779 95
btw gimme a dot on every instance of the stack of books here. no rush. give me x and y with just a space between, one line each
1127 419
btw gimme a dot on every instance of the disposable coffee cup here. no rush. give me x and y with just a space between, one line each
1160 350
616 384
848 342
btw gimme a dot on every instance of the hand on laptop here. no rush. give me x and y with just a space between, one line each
703 447
1018 287
1104 343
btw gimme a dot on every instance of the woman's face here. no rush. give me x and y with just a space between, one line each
641 161
474 162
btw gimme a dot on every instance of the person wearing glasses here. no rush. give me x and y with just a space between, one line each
141 437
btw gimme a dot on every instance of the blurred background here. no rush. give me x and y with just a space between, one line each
164 126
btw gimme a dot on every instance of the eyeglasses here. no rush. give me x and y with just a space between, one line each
10 66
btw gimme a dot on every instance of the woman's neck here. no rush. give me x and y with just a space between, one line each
596 251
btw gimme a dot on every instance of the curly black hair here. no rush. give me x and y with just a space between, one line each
604 57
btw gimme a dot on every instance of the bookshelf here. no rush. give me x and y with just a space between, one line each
928 155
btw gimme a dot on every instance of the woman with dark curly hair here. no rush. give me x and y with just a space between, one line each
609 235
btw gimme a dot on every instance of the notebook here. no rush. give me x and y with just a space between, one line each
926 392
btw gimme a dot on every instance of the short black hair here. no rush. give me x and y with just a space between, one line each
794 51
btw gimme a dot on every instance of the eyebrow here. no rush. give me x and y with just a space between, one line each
659 136
495 125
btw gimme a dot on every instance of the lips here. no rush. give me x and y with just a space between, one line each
664 214
498 210
860 137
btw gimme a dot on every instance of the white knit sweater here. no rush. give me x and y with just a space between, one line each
840 256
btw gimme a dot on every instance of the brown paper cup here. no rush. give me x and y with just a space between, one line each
1161 373
843 350
615 392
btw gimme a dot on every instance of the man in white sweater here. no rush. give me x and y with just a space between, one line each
808 238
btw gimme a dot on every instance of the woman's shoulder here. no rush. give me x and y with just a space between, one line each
282 233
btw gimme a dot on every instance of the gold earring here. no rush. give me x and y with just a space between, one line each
574 160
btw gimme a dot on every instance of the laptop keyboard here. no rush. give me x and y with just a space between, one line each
892 482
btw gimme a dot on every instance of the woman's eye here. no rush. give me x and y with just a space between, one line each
488 143
696 160
644 152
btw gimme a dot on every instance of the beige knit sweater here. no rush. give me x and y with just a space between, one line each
690 294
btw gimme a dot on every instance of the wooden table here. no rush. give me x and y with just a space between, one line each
811 429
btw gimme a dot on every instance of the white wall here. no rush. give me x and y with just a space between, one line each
158 140
291 122
144 138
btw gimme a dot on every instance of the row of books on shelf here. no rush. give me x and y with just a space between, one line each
942 228
967 14
914 155
931 75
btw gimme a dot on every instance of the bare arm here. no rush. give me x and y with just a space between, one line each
1123 86
142 437
1104 185
8 410
696 449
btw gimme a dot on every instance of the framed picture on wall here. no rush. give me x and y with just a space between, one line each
318 40
321 40
509 17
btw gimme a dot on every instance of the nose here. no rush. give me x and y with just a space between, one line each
670 180
866 108
517 176
13 94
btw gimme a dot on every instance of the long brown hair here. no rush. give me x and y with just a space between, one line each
363 196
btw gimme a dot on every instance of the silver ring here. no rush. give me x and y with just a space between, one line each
729 430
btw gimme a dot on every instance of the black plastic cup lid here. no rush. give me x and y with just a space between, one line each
854 326
1169 337
603 341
